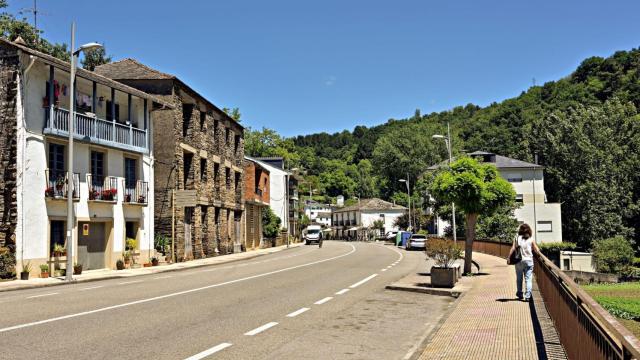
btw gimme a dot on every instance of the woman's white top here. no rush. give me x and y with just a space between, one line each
526 248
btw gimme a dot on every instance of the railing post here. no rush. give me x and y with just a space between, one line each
130 133
113 127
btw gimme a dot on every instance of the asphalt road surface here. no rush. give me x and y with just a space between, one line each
305 302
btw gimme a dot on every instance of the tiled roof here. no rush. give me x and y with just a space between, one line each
131 69
371 204
501 162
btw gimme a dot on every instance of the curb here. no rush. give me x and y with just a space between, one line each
158 271
418 349
430 291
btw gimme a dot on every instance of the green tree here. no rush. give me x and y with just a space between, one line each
476 189
500 226
94 58
612 255
233 113
270 223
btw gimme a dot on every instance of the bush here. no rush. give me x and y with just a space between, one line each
443 252
613 255
7 264
636 262
554 249
270 223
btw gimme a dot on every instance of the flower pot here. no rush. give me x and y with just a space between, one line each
24 275
154 262
44 275
443 277
77 269
147 265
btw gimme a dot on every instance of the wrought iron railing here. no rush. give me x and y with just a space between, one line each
57 184
96 130
102 188
136 192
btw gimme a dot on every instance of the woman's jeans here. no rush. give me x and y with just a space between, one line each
524 267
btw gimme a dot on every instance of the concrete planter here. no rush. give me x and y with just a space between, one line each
443 277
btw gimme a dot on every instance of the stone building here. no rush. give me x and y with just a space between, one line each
256 194
112 175
199 158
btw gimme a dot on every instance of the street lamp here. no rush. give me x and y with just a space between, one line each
447 141
72 118
406 181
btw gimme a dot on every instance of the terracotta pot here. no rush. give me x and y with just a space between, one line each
147 265
44 275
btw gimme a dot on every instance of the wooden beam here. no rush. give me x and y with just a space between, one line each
113 105
129 109
94 104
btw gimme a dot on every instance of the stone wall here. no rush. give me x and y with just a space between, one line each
9 68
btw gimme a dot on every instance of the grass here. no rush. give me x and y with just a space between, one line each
621 300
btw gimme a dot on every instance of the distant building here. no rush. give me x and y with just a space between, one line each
256 196
355 221
527 180
318 213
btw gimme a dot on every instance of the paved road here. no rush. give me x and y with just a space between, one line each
301 303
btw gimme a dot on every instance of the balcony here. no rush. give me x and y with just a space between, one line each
57 185
95 130
136 193
102 188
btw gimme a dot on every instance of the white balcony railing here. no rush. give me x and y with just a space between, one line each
95 130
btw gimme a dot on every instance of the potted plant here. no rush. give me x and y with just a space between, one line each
154 261
147 264
120 264
444 253
26 269
77 269
127 257
49 192
44 271
59 250
127 198
131 245
93 194
141 199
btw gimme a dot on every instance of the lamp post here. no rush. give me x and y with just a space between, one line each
72 118
406 181
447 141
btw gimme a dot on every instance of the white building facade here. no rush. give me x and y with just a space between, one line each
318 213
112 166
357 221
527 180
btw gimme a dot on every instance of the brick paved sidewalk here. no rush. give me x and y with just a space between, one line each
488 323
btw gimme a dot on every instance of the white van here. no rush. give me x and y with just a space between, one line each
312 234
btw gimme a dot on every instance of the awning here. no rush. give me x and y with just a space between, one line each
353 229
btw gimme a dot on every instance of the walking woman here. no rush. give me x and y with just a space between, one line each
526 245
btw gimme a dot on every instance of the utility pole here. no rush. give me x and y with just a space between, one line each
453 205
70 184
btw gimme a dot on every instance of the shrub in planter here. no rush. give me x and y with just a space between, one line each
120 264
26 269
154 261
444 253
77 269
44 271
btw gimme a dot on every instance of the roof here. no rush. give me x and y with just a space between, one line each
132 69
501 162
257 163
371 204
90 75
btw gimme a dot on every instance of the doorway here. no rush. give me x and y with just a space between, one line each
188 231
92 245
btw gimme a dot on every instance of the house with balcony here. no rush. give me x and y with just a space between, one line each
199 168
357 221
112 179
256 199
318 213
533 208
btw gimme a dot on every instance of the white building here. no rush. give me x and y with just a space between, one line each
355 221
318 213
528 182
112 164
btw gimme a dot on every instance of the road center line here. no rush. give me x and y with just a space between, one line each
208 352
91 288
130 282
342 291
363 281
322 301
262 328
43 295
297 312
161 297
163 277
383 270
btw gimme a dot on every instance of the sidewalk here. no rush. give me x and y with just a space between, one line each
95 275
488 323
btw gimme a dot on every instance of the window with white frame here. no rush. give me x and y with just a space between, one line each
514 177
545 226
519 198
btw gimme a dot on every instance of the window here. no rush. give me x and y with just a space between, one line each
227 177
186 171
514 177
57 235
110 113
215 129
216 171
519 198
566 264
203 118
56 161
236 143
130 176
237 182
97 168
545 226
187 111
203 169
227 135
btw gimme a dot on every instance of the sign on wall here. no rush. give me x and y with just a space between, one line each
85 229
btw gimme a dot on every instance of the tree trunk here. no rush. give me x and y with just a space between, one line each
470 234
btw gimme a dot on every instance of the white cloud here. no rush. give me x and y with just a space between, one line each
330 80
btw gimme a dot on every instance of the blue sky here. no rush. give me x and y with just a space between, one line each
301 67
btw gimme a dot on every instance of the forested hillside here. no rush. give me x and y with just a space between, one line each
585 129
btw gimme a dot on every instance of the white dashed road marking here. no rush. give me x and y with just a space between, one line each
297 312
43 295
260 329
208 352
322 301
130 282
342 291
363 281
91 288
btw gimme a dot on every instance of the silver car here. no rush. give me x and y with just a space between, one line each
416 241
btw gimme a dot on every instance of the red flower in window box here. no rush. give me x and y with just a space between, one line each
49 192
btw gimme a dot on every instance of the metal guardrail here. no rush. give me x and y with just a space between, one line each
57 184
586 330
102 188
136 193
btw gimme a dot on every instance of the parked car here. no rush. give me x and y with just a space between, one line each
416 241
